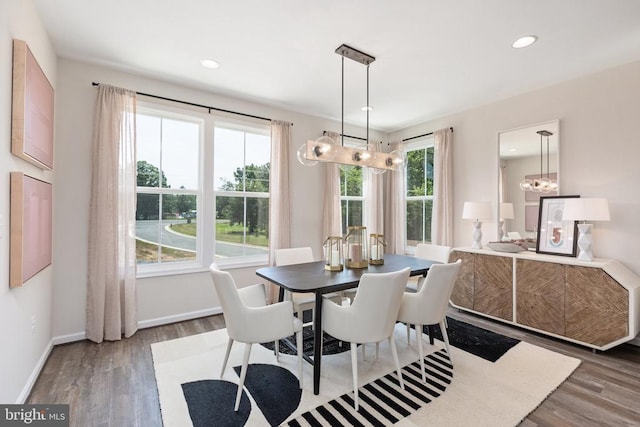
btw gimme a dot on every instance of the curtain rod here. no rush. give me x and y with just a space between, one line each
193 104
420 136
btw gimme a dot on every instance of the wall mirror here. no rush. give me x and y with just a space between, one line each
528 169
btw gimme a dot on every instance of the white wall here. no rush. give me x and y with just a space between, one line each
23 350
599 152
168 298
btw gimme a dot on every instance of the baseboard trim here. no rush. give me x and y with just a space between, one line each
63 339
150 323
24 394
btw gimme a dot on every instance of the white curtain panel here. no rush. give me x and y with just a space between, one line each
279 203
395 209
374 201
111 293
442 215
331 209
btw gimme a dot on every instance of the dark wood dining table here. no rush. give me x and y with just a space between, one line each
313 278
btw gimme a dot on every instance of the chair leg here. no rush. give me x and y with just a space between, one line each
421 353
446 340
300 351
394 352
377 349
354 373
408 333
276 349
243 374
226 356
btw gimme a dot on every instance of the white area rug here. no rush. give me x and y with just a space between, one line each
480 393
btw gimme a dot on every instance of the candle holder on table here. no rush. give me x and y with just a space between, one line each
356 244
376 249
333 253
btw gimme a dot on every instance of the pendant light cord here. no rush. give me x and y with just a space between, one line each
367 106
342 132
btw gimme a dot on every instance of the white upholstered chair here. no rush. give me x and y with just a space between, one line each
429 305
251 321
301 301
370 319
431 252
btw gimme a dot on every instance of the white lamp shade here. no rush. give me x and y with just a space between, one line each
476 210
585 209
506 211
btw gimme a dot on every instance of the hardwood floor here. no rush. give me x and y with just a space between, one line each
113 384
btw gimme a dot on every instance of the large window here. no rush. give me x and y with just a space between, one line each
202 191
419 197
241 181
168 189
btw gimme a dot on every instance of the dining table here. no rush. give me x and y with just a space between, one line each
312 277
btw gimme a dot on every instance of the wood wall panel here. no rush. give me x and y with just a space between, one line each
596 306
540 295
493 286
462 294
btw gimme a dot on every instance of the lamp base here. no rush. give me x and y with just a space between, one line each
585 242
477 235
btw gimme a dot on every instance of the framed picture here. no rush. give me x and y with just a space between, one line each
531 218
555 236
31 213
32 109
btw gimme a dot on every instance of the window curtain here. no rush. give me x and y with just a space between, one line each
331 208
395 207
111 293
442 215
374 201
279 203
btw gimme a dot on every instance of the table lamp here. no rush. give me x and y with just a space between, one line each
506 212
585 209
476 211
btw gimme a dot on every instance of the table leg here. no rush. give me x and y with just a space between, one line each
280 294
317 343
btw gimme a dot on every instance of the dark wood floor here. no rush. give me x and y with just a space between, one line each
113 384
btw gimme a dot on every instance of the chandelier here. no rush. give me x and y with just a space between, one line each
326 149
541 184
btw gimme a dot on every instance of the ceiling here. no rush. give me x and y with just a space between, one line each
433 57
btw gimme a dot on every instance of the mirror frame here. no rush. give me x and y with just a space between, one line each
554 123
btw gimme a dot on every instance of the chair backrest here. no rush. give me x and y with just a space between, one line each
376 304
433 252
293 256
436 291
233 308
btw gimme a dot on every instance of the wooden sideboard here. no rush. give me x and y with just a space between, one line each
596 304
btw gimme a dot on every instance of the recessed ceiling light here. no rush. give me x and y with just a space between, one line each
209 63
365 108
524 42
513 150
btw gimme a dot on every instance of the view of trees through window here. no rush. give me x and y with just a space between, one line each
351 196
419 197
242 192
167 188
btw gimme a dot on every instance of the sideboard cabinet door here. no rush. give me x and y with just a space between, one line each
493 286
462 294
596 306
540 295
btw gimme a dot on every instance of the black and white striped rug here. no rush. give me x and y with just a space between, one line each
492 381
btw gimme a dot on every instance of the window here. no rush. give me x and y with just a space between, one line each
241 181
351 195
202 191
168 189
419 197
